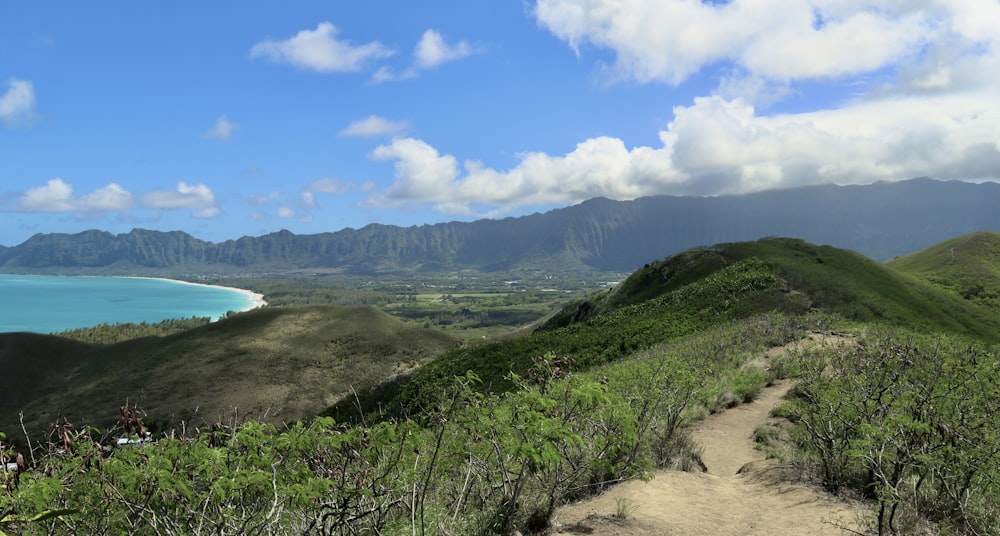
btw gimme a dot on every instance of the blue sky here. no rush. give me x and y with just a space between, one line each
225 119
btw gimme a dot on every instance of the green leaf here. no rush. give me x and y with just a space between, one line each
51 514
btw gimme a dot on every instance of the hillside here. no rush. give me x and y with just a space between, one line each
968 266
495 438
271 364
881 221
290 363
691 291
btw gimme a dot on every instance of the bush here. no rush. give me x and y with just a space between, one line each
911 422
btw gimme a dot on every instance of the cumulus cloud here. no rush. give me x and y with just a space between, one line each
222 130
17 104
927 84
198 198
320 50
721 146
432 51
597 167
373 126
672 40
57 196
108 199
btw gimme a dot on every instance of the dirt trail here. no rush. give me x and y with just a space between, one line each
740 494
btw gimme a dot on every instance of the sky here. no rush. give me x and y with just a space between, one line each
228 119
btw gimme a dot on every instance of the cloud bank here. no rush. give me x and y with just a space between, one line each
719 146
671 40
927 79
58 196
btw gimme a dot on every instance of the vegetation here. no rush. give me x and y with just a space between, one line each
273 364
470 305
491 438
477 464
910 422
968 265
127 331
690 292
736 292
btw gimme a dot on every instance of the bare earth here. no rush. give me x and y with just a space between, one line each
740 494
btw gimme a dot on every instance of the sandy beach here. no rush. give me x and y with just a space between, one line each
254 299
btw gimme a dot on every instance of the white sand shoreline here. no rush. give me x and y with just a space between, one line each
254 299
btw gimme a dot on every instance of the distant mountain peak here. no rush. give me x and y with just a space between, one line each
881 221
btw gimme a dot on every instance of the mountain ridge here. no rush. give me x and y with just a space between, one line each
880 220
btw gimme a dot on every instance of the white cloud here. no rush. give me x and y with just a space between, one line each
756 89
319 50
57 196
374 125
726 147
17 104
597 167
197 198
432 51
110 198
932 111
422 172
222 130
718 146
672 40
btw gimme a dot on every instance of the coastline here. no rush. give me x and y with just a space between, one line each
254 299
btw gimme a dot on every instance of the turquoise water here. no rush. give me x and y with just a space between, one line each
47 304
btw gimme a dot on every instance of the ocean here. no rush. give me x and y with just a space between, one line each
48 304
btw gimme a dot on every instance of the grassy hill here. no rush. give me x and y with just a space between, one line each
271 364
968 266
692 291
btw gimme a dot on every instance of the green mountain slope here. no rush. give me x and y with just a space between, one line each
830 279
271 364
688 292
968 266
880 220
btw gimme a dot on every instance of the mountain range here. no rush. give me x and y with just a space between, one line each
880 220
